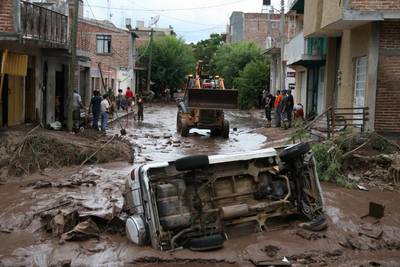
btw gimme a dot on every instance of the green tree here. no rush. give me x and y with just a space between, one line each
172 61
251 82
205 50
230 59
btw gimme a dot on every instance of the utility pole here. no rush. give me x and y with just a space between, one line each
73 63
150 58
282 43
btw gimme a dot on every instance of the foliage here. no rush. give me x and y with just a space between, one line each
172 61
329 164
250 83
230 59
300 134
206 49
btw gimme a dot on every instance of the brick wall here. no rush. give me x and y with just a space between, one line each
387 111
373 5
6 18
87 32
257 26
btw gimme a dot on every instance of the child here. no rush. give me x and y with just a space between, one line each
140 108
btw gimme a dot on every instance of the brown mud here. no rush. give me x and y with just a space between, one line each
96 192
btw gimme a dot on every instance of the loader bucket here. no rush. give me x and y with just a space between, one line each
212 98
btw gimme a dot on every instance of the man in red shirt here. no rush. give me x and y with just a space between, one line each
278 99
130 97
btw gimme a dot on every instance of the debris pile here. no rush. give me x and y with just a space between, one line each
365 160
35 151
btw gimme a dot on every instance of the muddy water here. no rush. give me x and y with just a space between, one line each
98 189
157 140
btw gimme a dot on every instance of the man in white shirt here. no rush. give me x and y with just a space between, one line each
105 109
76 109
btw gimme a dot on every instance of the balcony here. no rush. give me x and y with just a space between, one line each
305 52
272 45
47 27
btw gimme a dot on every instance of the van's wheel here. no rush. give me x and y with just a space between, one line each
225 129
178 123
205 243
293 152
184 130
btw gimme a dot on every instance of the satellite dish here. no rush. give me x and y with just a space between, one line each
154 20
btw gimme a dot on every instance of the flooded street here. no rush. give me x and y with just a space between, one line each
157 140
97 192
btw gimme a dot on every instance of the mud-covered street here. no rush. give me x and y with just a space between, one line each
96 192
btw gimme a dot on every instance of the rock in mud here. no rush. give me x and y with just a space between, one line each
63 222
83 231
309 235
271 250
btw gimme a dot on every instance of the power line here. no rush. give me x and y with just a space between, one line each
170 9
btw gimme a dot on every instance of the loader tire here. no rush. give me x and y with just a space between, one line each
184 130
178 123
225 129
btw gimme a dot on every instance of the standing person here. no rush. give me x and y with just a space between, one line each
76 111
129 97
167 93
95 107
105 109
269 105
289 107
278 99
140 108
120 97
283 109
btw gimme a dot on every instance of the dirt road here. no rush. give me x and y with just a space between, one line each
97 190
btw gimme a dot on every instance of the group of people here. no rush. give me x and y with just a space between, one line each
283 104
101 107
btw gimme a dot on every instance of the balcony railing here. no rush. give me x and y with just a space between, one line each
42 24
271 42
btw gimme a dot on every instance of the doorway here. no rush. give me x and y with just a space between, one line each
4 97
60 96
30 109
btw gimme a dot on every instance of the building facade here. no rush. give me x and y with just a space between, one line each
34 52
362 58
253 27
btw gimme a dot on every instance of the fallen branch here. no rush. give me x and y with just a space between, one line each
357 148
94 153
64 203
19 149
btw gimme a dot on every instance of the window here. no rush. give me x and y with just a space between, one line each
103 44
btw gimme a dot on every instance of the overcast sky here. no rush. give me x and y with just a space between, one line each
192 20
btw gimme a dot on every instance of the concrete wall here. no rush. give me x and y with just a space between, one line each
355 43
331 69
332 12
236 24
312 16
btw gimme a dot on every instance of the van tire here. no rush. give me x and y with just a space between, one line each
294 152
205 243
192 163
